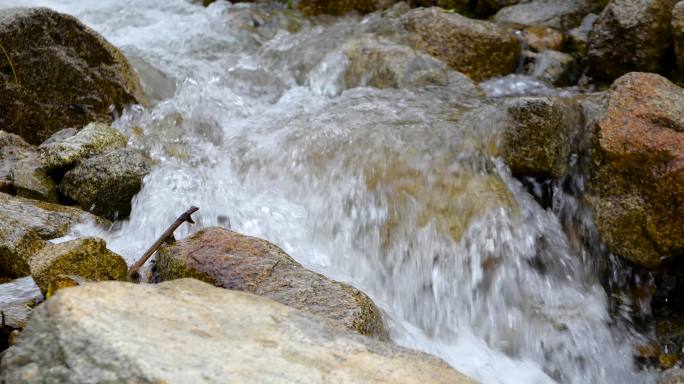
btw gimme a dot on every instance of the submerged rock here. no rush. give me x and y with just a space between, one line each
629 36
233 261
538 139
62 74
88 258
477 48
636 188
106 184
48 220
557 68
30 180
381 63
94 139
98 333
559 14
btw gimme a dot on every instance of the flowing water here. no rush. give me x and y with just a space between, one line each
398 192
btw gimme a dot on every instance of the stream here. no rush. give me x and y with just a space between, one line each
398 192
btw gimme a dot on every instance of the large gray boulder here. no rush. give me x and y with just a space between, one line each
230 260
62 74
477 48
630 35
186 331
106 184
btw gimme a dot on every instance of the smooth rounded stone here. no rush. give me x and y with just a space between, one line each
678 32
30 180
65 74
540 38
93 139
88 258
579 36
12 149
47 220
17 298
380 63
113 332
233 261
538 138
477 48
557 68
106 184
340 7
636 183
559 14
630 35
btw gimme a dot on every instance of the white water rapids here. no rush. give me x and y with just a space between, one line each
397 192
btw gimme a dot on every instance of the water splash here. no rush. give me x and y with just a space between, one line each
398 192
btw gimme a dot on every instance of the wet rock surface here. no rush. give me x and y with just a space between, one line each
630 36
106 184
97 333
229 260
477 48
62 74
88 258
557 68
17 298
18 244
637 182
540 135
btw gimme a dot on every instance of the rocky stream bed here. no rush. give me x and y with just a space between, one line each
432 191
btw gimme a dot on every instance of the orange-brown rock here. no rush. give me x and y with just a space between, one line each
230 260
541 38
636 186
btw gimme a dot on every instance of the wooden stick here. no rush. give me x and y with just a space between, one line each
133 272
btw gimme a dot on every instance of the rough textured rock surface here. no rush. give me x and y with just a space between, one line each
12 149
383 64
106 184
540 38
538 139
17 298
30 180
636 186
678 31
63 74
630 35
233 261
48 220
559 14
94 139
17 245
477 48
96 333
87 257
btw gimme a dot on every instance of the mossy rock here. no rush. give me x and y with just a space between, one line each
106 184
88 258
636 183
18 244
94 139
60 74
230 260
